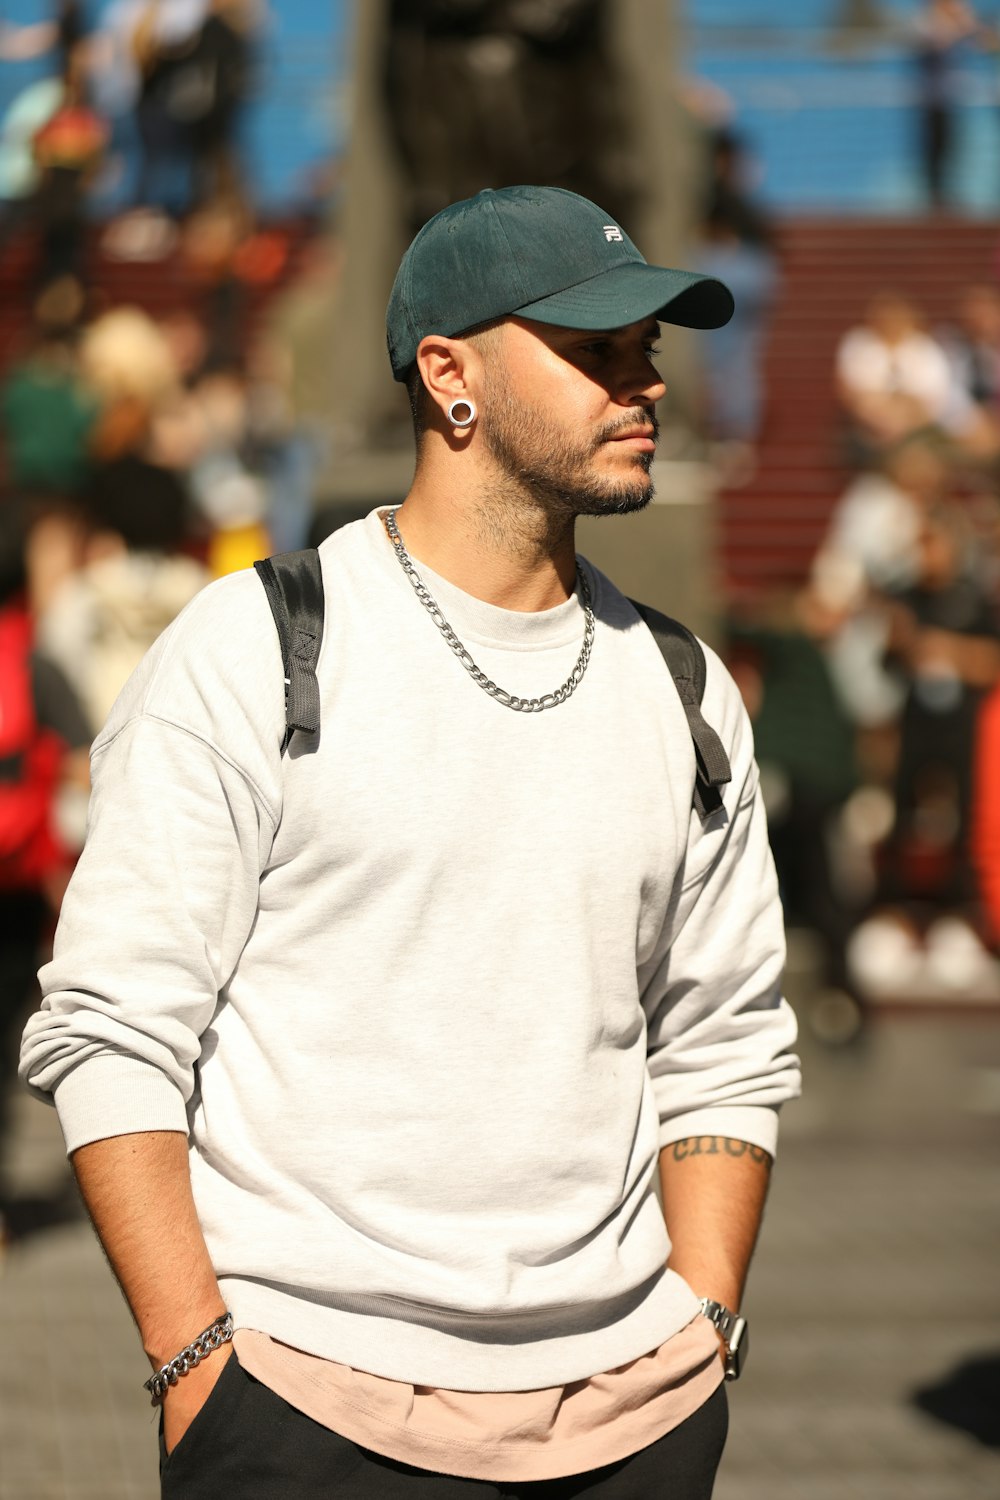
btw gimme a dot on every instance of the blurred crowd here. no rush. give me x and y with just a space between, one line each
156 92
874 687
148 442
143 456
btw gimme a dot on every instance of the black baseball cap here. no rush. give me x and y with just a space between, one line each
541 253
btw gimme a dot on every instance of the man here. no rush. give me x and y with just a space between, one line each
378 1044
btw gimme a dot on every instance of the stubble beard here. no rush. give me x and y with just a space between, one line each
557 475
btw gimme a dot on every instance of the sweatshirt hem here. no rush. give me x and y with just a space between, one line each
463 1356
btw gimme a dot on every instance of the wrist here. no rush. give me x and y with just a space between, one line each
211 1338
733 1334
161 1342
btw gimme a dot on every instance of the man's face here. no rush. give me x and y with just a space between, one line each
570 414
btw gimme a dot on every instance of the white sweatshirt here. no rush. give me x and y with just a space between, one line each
430 997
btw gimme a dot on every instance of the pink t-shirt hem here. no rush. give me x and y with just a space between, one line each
506 1436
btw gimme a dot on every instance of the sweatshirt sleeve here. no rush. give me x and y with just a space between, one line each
165 893
719 1033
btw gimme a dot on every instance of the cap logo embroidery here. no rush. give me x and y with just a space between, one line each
612 232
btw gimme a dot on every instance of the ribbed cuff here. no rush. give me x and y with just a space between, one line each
757 1124
113 1094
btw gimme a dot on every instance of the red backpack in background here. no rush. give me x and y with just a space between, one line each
30 761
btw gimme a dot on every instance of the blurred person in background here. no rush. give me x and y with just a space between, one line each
875 525
250 460
893 379
972 344
62 36
940 29
68 149
155 43
804 743
240 971
213 242
134 578
132 365
231 493
737 246
47 411
147 162
44 739
215 434
51 143
944 641
133 581
226 55
180 65
871 549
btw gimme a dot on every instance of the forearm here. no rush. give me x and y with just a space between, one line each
714 1191
137 1189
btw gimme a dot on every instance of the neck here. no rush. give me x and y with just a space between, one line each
496 545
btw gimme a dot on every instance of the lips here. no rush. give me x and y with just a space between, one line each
637 437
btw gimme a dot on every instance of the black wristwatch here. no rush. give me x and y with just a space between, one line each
735 1335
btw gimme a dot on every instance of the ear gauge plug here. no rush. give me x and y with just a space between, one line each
462 413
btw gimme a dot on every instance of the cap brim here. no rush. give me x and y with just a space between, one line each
628 293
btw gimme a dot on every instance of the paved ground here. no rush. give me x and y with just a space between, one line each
875 1298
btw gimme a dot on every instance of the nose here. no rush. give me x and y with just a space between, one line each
641 382
654 387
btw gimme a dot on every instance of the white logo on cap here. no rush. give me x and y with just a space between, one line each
612 232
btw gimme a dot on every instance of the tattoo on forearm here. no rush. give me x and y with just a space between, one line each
716 1145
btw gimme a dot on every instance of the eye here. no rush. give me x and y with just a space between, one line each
652 350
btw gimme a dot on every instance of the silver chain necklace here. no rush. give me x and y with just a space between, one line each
509 700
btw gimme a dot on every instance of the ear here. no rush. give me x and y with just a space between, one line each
450 370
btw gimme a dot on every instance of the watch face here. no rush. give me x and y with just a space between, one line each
739 1345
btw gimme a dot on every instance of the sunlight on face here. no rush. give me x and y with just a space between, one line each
569 416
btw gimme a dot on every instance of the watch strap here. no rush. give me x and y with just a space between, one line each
734 1333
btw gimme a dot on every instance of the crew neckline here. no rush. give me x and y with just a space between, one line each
487 624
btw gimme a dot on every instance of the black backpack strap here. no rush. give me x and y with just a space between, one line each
682 652
293 582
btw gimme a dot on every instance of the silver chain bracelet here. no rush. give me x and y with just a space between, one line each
214 1336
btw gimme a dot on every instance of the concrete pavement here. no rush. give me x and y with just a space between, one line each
874 1299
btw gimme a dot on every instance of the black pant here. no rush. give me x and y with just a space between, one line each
936 149
248 1444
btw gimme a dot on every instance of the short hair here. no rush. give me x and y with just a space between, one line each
416 390
417 393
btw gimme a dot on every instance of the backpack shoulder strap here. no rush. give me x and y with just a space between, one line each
683 654
293 583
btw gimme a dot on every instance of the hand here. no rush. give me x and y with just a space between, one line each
184 1401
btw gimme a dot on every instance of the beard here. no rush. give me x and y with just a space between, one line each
559 472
